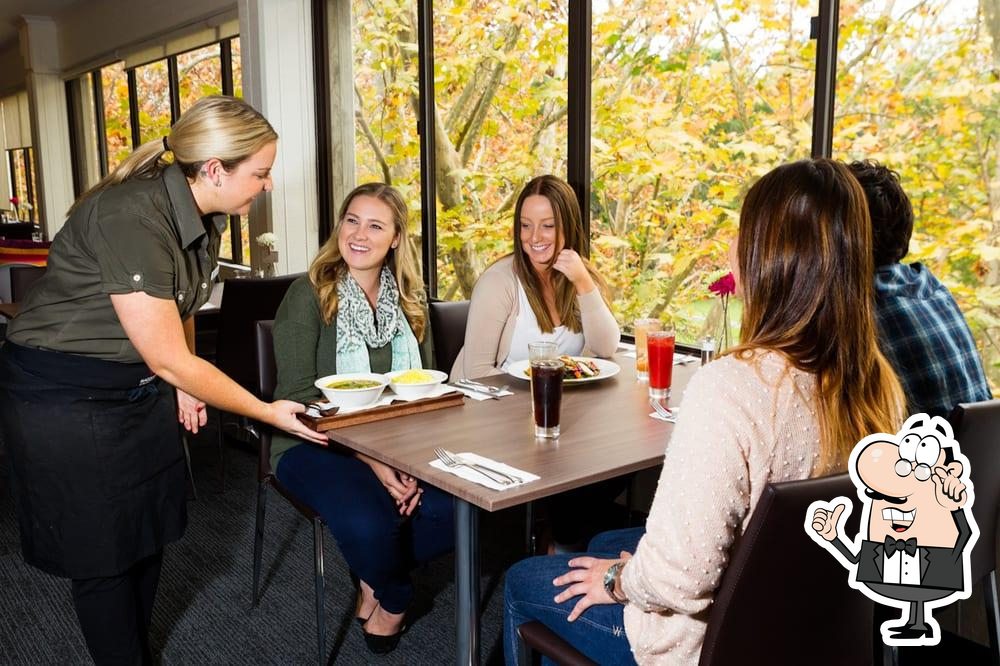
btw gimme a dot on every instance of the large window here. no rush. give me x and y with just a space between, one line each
691 102
23 183
917 91
141 103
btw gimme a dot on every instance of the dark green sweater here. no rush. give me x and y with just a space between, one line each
306 349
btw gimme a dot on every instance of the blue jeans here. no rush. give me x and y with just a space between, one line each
528 595
380 546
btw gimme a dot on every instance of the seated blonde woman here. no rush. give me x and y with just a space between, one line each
543 290
806 382
362 309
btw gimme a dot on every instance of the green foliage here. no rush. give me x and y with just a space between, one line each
692 102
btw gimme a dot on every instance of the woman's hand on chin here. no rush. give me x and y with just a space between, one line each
571 265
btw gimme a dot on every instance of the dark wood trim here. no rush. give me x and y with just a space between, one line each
173 81
425 127
73 100
133 107
578 104
324 157
826 30
226 63
97 82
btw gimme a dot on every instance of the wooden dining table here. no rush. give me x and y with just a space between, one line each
9 310
606 429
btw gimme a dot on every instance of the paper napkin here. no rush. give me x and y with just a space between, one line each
477 395
470 474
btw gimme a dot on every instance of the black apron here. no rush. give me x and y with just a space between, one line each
97 467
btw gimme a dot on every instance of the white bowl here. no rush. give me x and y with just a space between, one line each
411 391
354 397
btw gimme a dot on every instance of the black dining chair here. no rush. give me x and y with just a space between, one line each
266 379
244 302
448 320
783 599
22 279
976 427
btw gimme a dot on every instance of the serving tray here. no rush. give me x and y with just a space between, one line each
391 411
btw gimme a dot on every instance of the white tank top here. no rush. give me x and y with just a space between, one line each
526 330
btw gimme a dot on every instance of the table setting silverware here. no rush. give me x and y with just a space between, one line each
323 411
482 389
453 460
663 411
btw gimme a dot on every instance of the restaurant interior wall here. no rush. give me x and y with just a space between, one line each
691 103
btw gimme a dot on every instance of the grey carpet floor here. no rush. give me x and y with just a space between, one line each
203 612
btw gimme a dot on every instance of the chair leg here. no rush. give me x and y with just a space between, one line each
529 528
258 539
187 459
992 615
318 557
222 458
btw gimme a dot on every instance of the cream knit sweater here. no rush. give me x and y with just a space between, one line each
742 424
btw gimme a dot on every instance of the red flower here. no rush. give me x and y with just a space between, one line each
724 286
15 200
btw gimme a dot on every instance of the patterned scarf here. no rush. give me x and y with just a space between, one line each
359 328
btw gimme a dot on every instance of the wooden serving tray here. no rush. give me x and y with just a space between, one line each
324 423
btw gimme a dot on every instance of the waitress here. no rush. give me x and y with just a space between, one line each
103 342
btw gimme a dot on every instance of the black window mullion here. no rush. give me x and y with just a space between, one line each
102 140
578 108
73 101
173 81
133 107
825 32
425 126
226 60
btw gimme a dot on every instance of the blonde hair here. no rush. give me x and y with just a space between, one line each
329 266
226 128
806 272
569 234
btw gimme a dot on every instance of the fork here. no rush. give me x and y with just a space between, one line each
450 460
484 387
665 412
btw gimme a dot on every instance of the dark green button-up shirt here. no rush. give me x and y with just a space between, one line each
141 235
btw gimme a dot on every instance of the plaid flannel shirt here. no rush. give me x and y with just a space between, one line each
927 341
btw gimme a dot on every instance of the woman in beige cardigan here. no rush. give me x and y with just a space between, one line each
543 290
806 382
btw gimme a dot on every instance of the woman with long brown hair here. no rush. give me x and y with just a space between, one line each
544 290
362 309
805 384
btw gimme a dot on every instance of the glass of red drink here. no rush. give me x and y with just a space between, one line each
546 396
660 349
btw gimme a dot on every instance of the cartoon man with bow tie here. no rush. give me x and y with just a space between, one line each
915 490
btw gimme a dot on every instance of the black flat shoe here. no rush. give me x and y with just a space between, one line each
383 644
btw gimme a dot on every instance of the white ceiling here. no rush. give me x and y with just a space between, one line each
10 10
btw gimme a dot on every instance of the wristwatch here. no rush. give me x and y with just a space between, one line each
610 577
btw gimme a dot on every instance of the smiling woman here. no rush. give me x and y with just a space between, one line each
107 336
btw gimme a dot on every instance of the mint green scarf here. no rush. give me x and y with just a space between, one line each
358 327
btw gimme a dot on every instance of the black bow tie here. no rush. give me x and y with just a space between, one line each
892 545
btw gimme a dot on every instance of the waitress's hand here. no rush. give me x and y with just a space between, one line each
571 265
191 411
281 414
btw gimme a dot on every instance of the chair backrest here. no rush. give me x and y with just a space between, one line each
448 319
783 599
21 280
266 370
977 431
243 303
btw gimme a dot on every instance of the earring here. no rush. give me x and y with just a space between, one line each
218 183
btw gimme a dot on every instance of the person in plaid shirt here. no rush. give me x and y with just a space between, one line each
921 330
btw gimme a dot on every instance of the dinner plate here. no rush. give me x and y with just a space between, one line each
607 369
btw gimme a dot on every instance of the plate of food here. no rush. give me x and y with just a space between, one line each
576 369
